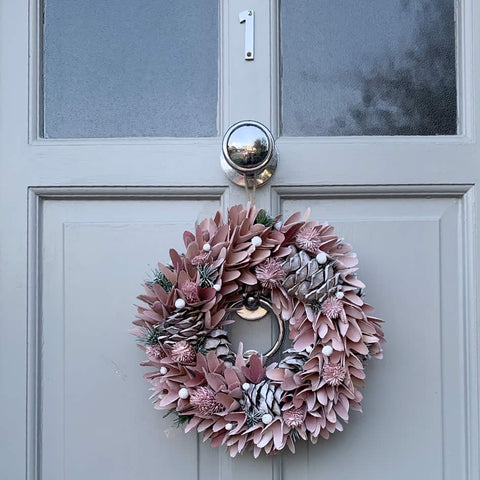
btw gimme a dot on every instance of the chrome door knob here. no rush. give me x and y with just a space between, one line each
249 154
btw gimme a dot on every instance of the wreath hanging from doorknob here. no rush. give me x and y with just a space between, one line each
306 275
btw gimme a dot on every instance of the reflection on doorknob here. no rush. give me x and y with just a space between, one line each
249 153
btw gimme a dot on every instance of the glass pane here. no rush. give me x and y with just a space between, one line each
376 67
117 68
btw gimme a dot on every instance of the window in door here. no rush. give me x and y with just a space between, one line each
368 67
130 69
150 69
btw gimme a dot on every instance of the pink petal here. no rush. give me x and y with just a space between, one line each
247 278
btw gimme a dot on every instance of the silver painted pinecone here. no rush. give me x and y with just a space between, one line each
293 360
262 398
184 325
307 279
217 341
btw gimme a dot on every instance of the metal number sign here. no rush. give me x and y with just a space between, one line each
248 17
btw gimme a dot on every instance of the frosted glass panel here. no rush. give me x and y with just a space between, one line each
119 68
368 67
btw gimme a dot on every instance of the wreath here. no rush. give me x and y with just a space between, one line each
245 401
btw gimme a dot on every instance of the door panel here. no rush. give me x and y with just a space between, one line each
83 218
410 247
93 415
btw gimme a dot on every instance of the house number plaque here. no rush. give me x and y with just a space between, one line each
248 17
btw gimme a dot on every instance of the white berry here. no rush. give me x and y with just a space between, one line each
207 247
278 225
309 349
321 258
267 418
217 287
327 350
339 295
256 241
246 386
183 393
163 370
179 303
228 426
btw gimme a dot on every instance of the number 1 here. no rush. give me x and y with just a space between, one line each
248 17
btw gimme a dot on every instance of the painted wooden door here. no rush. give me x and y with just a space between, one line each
90 201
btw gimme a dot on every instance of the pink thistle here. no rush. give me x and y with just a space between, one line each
309 239
294 417
200 259
205 401
183 353
154 352
333 374
332 307
190 290
270 273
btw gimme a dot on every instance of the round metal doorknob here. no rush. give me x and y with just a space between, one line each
249 153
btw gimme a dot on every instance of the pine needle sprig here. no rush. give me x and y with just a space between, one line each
264 218
316 306
294 435
200 347
150 336
180 420
160 279
208 275
253 416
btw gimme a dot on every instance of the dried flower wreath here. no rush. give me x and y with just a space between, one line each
307 275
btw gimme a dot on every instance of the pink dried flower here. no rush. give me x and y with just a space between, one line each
184 353
190 290
332 308
333 374
294 417
200 259
205 401
154 352
270 273
308 239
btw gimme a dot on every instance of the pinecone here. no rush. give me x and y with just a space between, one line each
217 341
183 353
293 360
262 398
307 279
184 325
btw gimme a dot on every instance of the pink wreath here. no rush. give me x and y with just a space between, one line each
308 276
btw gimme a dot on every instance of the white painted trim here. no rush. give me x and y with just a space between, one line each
275 100
149 141
34 69
469 283
34 341
401 139
464 13
281 193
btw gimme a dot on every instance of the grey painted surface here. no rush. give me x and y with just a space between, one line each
368 67
124 69
80 208
96 419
